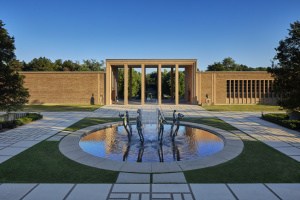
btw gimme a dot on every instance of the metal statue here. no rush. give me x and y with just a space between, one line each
161 121
180 116
173 122
126 125
139 128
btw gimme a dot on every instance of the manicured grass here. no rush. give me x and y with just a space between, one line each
243 108
215 122
61 108
86 122
258 163
44 163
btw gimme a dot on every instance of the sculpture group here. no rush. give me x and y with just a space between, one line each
160 123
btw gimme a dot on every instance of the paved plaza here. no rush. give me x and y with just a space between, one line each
137 186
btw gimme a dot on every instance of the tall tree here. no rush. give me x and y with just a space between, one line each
228 64
13 94
287 73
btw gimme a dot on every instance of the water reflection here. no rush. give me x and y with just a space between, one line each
113 143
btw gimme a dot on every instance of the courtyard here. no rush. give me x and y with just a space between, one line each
34 165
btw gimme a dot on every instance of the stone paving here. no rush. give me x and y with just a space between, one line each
15 141
50 191
284 140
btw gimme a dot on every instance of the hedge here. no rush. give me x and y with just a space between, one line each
21 121
283 120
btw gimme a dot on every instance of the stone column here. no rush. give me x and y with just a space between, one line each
143 85
176 84
108 84
172 84
125 84
159 93
130 84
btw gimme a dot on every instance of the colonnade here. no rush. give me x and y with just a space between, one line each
112 66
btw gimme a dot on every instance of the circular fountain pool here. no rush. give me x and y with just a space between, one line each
190 143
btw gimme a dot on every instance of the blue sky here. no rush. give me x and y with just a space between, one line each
247 31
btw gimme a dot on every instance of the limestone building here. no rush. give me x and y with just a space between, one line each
206 88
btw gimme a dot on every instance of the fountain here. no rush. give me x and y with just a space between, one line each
143 140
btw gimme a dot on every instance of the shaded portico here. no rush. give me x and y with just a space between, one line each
112 66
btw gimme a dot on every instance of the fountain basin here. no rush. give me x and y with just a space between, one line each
70 147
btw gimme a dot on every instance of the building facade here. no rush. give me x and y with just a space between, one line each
206 88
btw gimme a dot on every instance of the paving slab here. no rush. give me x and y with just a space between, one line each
275 144
133 178
90 191
11 151
290 151
169 178
136 167
211 191
170 188
131 188
49 192
25 144
9 191
286 191
252 191
165 167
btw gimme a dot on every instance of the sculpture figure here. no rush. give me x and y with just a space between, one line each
128 123
139 128
161 121
173 123
125 124
180 116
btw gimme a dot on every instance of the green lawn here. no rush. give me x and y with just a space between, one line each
61 108
243 108
43 163
258 163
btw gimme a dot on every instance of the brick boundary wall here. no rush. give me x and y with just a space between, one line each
65 87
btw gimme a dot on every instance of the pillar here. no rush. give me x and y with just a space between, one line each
172 84
125 84
130 84
143 85
108 84
159 93
176 84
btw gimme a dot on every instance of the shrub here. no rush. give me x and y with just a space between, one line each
21 121
283 120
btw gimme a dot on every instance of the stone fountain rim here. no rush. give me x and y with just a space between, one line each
69 146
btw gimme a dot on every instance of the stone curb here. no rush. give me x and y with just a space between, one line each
69 146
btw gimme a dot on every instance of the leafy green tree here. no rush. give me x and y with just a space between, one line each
16 65
136 83
287 73
228 64
13 94
92 65
41 64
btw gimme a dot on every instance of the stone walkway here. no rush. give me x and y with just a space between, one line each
13 142
284 140
259 191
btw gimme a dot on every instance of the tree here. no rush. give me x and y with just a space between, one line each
287 72
136 83
228 64
13 94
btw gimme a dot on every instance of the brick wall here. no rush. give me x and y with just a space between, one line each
215 85
65 87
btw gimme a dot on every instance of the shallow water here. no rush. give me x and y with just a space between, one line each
190 143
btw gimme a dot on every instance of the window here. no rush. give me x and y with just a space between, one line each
228 88
245 88
232 89
257 88
253 88
262 88
270 89
241 88
236 89
266 89
249 88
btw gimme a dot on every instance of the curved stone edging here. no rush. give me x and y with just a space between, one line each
69 146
